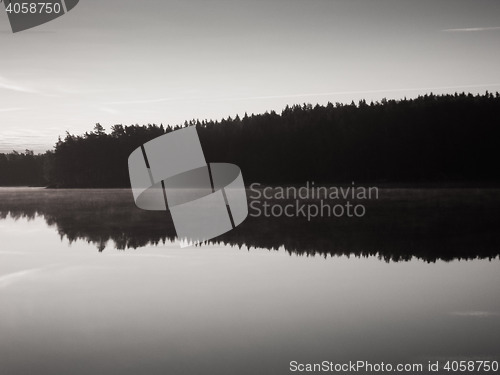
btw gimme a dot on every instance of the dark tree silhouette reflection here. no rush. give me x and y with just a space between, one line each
429 224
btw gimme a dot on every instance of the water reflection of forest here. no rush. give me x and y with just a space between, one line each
430 224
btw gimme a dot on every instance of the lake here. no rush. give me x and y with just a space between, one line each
89 284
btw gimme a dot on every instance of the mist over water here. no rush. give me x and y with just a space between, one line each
429 224
235 307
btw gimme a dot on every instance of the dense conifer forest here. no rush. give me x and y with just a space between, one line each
430 139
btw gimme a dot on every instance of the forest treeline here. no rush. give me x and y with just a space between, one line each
445 138
22 169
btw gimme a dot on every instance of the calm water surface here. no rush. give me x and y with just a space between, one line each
66 308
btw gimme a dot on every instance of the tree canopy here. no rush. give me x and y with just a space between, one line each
447 138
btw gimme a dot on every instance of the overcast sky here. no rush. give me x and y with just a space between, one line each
165 61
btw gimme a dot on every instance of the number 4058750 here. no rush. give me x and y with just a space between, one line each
471 366
33 8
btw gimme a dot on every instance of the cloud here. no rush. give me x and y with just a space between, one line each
109 110
144 101
13 86
13 109
306 95
144 256
471 29
11 278
475 314
361 92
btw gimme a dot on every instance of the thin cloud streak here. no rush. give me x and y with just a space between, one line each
13 109
12 86
333 93
109 110
471 29
11 278
144 101
365 92
475 314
